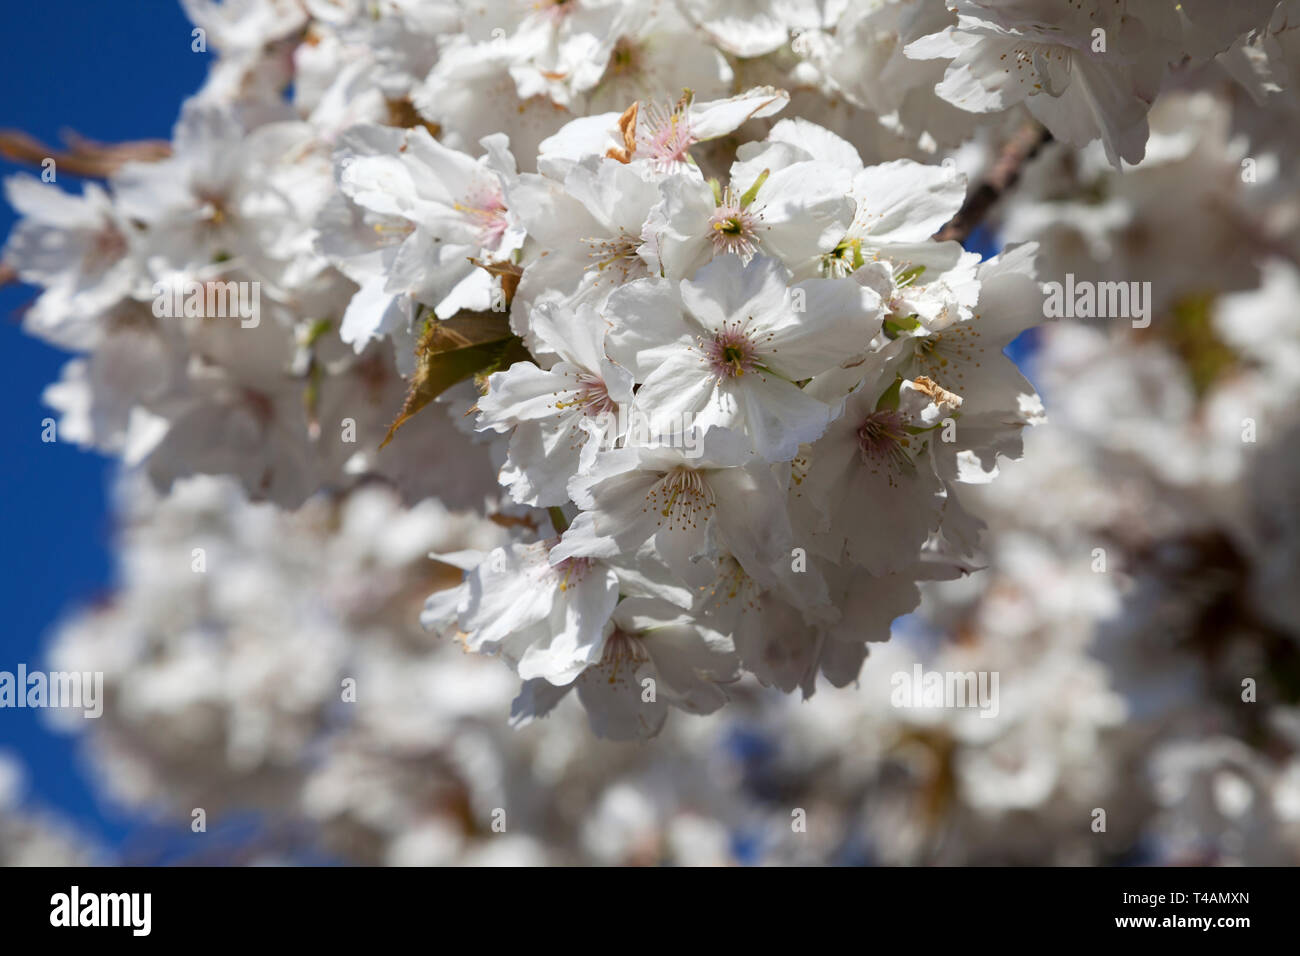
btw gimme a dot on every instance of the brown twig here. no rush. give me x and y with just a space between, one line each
83 157
1020 149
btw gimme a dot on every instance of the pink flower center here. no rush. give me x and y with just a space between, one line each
734 228
486 207
731 352
622 650
591 396
884 443
107 246
554 10
666 138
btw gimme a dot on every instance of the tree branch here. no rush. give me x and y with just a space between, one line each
1020 149
83 157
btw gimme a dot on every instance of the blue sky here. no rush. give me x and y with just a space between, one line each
111 71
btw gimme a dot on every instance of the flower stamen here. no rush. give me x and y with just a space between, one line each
682 496
733 227
885 443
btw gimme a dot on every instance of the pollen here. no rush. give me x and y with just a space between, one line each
665 137
618 253
734 228
731 352
682 497
590 395
884 444
623 652
571 571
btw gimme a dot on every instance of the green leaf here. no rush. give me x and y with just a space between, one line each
452 350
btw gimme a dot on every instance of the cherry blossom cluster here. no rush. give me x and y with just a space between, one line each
663 288
747 409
